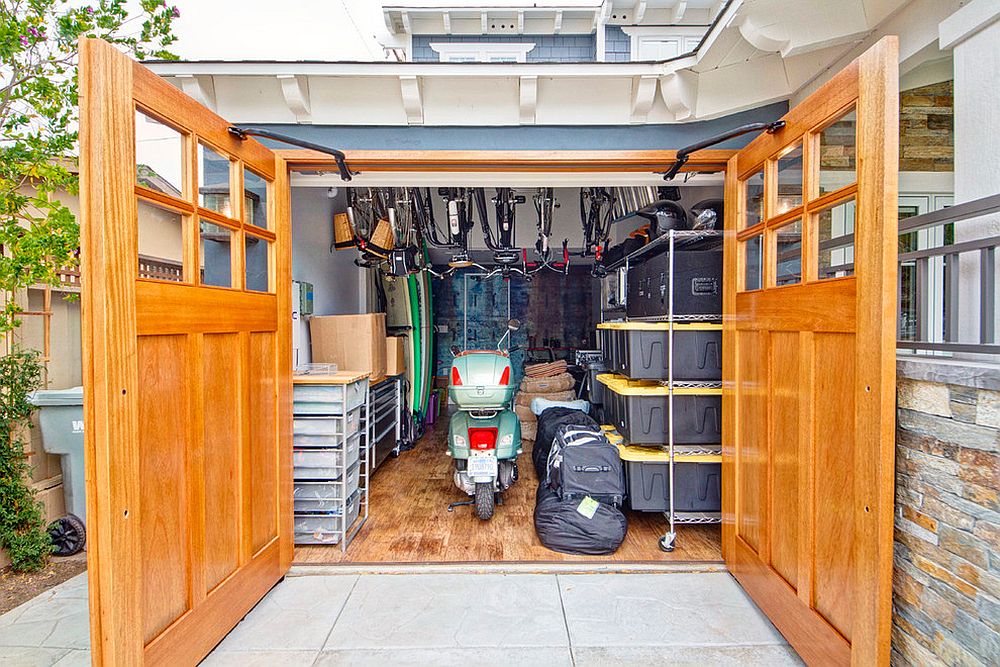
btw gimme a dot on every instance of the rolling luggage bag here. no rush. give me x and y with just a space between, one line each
548 423
583 463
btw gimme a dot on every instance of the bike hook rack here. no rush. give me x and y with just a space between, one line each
242 133
685 153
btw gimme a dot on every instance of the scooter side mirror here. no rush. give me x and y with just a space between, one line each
456 350
513 324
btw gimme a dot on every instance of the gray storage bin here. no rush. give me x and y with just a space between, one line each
326 526
642 352
316 431
643 419
325 463
325 495
697 486
328 399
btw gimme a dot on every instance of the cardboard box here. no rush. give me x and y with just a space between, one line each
395 357
353 342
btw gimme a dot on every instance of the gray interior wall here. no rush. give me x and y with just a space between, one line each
336 280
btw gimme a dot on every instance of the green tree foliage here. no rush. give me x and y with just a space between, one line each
38 233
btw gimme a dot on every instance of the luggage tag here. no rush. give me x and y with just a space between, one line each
588 507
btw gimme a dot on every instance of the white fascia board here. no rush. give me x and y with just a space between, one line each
394 70
967 21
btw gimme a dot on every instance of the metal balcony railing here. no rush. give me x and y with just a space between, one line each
947 282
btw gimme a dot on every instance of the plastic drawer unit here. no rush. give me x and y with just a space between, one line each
326 495
697 480
313 431
697 282
641 350
327 526
328 399
326 463
640 411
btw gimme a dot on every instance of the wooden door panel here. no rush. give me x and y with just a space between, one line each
188 457
834 447
809 375
222 457
263 458
162 480
751 450
783 512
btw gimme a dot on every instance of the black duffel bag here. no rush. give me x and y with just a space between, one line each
578 526
548 423
583 463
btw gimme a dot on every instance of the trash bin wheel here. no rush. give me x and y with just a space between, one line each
68 535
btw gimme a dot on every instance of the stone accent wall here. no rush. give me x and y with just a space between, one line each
946 581
927 128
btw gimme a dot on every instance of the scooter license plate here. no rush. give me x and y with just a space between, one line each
482 466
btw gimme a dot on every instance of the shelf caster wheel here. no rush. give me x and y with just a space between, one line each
667 542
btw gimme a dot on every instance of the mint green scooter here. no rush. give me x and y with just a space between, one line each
484 436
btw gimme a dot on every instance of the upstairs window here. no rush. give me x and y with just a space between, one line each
482 52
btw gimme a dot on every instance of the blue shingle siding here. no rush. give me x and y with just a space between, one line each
548 48
617 45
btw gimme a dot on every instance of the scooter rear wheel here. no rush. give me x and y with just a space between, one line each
484 501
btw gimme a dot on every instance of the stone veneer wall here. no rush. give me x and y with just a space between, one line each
946 580
927 128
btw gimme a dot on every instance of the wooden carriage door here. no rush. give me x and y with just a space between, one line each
187 373
810 366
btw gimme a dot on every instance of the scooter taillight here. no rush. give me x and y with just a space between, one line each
505 376
482 438
456 379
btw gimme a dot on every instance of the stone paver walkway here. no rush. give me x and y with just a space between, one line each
452 619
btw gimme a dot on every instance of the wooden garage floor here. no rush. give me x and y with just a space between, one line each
409 521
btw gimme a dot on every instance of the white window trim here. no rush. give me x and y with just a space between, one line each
483 52
688 37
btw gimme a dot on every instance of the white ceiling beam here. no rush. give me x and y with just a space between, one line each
389 23
520 21
557 24
484 22
643 96
201 88
413 103
295 90
405 18
677 13
639 10
447 23
528 99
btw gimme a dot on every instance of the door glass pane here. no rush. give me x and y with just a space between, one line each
159 156
835 236
754 255
789 254
838 154
161 243
256 258
213 181
789 181
216 255
755 199
254 199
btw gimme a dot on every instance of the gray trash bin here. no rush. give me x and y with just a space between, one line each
60 414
